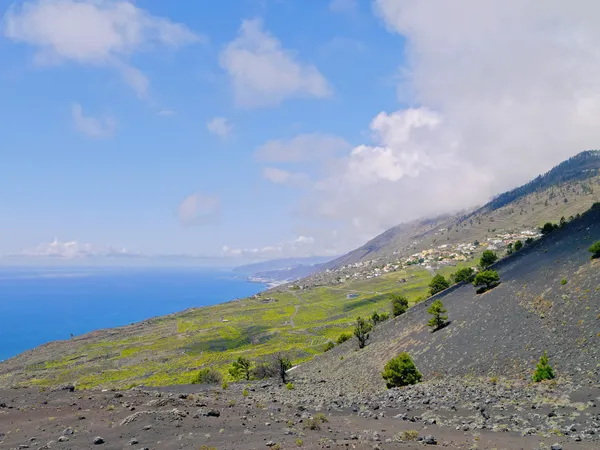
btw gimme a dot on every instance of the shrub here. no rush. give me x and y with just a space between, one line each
595 250
518 246
409 435
563 281
225 385
466 274
281 364
208 376
543 370
241 369
439 320
299 442
289 387
401 371
399 304
486 278
487 259
438 284
528 241
245 393
321 418
361 331
383 317
329 346
262 370
343 338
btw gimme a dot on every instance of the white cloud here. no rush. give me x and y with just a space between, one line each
286 178
501 92
198 209
302 148
220 126
302 246
166 113
74 250
92 32
91 126
263 73
343 6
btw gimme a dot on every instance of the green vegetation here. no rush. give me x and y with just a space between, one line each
401 371
563 281
543 370
281 364
241 369
329 346
399 304
409 435
595 250
343 338
361 331
518 246
439 320
438 284
464 274
207 376
289 387
487 259
548 228
486 279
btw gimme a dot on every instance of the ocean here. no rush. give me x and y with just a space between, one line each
47 304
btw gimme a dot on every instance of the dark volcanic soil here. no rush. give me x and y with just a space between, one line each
199 417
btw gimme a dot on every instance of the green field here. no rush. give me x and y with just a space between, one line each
170 349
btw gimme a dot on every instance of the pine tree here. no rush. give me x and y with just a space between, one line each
361 331
399 305
439 319
543 370
401 371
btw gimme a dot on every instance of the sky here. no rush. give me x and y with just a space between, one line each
257 129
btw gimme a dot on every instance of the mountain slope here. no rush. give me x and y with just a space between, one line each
567 190
500 333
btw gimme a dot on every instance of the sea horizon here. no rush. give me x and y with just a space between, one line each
48 303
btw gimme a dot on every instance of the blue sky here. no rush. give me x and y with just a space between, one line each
265 128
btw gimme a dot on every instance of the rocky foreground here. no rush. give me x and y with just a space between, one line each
465 413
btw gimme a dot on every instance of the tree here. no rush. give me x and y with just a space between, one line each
548 228
486 278
595 250
375 318
562 222
487 259
543 370
438 284
518 246
510 249
466 274
361 331
401 371
281 364
438 320
241 369
399 304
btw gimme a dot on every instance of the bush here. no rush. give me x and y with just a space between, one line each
401 371
488 279
518 246
543 370
409 435
245 393
289 387
225 385
262 370
329 346
361 331
439 320
241 369
343 338
438 284
208 376
280 365
399 304
563 281
383 317
487 259
466 274
595 250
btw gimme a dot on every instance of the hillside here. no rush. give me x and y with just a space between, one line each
567 190
501 333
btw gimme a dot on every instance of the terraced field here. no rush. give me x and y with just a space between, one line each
170 349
